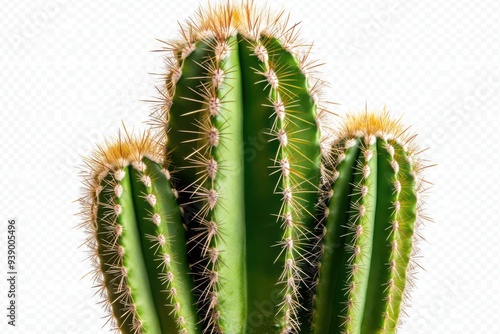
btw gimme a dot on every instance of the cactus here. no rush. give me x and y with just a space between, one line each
240 215
369 237
238 76
136 239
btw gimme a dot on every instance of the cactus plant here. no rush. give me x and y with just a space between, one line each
136 239
237 76
368 244
240 216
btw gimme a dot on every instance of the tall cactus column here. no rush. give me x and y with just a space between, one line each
244 151
369 233
137 241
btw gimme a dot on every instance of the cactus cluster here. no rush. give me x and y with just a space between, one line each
242 211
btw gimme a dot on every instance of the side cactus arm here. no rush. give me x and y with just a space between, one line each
137 240
369 240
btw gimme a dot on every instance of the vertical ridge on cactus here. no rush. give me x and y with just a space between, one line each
136 238
243 141
370 231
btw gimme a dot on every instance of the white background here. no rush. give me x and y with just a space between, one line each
71 71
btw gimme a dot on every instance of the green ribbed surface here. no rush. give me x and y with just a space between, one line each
264 210
142 252
368 241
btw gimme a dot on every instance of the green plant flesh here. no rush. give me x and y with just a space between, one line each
368 239
244 148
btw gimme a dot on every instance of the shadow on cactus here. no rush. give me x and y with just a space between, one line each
247 213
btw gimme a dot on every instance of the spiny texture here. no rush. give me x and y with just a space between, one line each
373 209
241 121
240 216
137 242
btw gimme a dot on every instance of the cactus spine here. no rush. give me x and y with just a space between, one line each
369 232
137 240
234 79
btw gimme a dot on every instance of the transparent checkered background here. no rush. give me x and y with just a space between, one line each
71 71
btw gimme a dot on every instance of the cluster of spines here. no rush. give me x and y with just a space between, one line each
112 174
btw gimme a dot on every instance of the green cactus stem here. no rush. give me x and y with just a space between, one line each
369 237
240 119
137 240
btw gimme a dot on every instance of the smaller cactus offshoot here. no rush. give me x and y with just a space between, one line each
136 237
369 236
